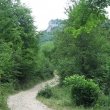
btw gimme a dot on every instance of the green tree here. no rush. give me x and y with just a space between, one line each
6 62
82 47
18 30
29 48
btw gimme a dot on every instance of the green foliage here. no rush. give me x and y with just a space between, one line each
84 92
82 18
6 62
5 90
98 4
19 42
45 67
63 58
103 101
61 100
47 92
20 63
82 46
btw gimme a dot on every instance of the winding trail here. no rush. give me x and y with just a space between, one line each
26 100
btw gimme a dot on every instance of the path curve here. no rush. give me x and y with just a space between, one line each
26 100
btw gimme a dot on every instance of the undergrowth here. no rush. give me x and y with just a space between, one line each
61 100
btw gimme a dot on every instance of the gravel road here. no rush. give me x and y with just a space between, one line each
26 100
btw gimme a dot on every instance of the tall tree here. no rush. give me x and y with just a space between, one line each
17 29
82 48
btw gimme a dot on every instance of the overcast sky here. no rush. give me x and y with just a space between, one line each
45 10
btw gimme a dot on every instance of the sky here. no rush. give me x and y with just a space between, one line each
108 10
45 10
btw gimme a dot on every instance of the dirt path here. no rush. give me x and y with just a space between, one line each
26 100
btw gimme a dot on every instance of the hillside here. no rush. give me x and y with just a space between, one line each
48 34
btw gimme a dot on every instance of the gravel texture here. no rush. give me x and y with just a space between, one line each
26 100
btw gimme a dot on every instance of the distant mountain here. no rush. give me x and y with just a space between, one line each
48 34
54 24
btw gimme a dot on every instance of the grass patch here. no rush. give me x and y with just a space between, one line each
5 90
61 100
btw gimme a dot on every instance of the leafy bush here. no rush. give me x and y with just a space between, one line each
5 90
103 101
47 92
84 92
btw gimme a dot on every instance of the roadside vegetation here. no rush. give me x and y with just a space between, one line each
78 48
82 58
21 65
61 100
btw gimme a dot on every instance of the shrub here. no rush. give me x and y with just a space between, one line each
47 92
84 92
103 101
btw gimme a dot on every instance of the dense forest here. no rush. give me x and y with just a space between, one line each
82 58
78 48
21 64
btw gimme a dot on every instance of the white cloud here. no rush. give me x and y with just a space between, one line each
45 10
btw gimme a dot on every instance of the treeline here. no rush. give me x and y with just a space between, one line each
18 47
20 62
18 43
83 46
81 55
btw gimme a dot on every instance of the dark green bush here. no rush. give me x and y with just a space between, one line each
84 92
47 92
